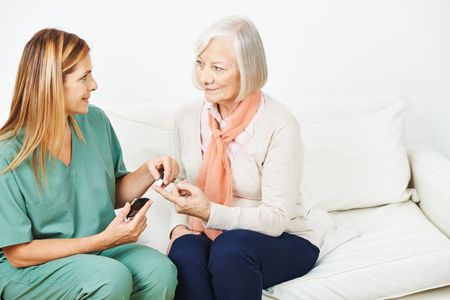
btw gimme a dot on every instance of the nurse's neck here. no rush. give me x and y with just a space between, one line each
67 133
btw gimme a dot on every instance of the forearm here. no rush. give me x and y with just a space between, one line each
267 220
133 185
38 252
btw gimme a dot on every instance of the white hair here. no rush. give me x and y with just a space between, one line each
248 50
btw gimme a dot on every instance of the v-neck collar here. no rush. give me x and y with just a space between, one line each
73 145
50 157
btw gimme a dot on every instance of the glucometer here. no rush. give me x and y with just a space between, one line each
136 205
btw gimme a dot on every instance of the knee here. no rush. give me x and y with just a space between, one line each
166 273
111 280
157 280
185 250
230 252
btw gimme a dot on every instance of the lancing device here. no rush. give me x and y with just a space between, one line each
160 181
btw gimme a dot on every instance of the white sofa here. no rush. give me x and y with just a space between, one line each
389 231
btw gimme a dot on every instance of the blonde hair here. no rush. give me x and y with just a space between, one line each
248 48
38 107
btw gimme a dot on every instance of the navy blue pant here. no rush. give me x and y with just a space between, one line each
238 264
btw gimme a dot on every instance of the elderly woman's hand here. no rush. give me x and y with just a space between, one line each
189 200
171 169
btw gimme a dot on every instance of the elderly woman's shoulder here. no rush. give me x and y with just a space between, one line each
278 113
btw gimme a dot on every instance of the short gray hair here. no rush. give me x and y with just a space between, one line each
248 48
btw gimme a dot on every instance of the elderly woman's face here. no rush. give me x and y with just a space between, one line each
218 72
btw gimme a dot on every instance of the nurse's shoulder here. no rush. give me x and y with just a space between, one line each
9 148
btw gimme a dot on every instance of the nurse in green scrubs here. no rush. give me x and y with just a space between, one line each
62 176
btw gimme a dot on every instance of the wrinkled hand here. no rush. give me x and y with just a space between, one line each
177 232
188 199
120 232
171 169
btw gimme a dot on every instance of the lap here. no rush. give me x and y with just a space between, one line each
61 278
275 259
278 258
68 277
243 240
256 242
144 263
284 249
136 256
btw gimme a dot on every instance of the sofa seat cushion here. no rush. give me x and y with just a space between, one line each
398 253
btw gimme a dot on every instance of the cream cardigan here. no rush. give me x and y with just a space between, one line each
266 173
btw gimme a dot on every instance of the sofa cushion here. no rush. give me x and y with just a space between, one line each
144 131
399 252
354 151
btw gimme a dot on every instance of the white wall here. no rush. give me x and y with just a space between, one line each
142 50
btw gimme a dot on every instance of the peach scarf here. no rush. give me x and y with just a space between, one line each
214 176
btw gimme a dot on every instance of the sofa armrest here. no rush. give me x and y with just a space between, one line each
431 178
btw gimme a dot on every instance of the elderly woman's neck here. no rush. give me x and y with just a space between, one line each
227 108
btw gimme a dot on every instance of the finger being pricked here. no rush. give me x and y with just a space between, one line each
178 200
179 192
187 189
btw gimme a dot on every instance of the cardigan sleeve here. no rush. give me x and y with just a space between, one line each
280 184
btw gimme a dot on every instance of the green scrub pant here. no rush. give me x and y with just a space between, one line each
131 271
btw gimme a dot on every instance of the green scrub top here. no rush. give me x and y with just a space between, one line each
79 199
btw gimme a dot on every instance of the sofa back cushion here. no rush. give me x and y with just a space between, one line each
355 154
144 131
354 146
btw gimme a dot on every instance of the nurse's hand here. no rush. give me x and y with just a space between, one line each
171 169
120 232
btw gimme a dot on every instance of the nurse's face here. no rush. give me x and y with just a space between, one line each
78 86
217 71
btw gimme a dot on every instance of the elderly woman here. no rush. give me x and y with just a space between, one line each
246 229
62 175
